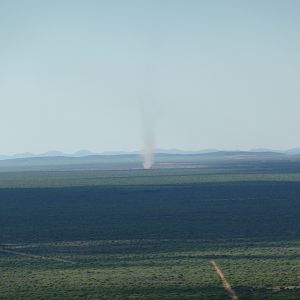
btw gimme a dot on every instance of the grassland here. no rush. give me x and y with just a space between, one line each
134 234
150 269
135 178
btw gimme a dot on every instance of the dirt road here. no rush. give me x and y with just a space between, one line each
57 259
225 283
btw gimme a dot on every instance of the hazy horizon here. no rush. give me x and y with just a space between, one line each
212 74
85 152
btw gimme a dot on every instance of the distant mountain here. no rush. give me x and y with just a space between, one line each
117 152
2 157
84 153
54 153
79 153
64 162
265 150
22 155
51 154
177 151
293 151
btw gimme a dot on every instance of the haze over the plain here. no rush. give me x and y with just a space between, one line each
72 74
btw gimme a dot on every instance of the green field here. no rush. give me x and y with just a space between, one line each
134 178
135 234
150 269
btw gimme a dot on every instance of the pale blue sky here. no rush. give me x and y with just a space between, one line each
214 74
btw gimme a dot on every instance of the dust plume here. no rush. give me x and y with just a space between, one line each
148 134
148 95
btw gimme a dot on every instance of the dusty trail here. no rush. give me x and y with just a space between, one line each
57 259
225 283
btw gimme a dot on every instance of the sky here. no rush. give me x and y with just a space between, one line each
84 74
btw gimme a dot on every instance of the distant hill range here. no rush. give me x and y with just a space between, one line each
164 158
55 153
83 153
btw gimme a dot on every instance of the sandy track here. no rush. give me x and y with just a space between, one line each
225 283
57 259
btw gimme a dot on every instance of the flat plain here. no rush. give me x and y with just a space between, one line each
82 233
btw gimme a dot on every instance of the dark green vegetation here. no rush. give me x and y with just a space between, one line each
150 269
247 210
135 234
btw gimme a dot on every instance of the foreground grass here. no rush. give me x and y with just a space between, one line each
151 269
